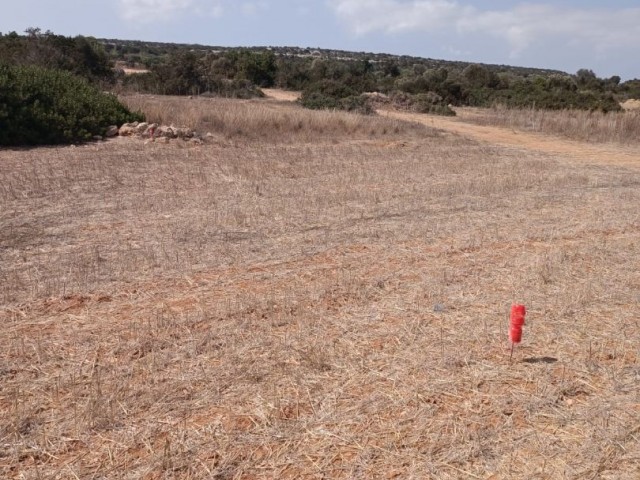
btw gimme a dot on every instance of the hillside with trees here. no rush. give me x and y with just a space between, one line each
328 79
337 79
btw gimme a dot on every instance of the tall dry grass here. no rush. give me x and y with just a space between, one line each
614 127
316 310
265 120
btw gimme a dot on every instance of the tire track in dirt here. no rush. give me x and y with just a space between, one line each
603 154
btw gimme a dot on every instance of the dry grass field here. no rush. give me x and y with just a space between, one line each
316 295
594 127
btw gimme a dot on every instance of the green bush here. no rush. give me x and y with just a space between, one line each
222 87
40 106
552 94
83 56
429 102
334 95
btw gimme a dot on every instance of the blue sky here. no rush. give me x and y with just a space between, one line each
600 35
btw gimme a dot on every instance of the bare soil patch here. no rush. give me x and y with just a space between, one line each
631 104
131 70
317 309
282 95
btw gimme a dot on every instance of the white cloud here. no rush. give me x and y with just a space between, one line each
252 8
521 27
149 11
365 16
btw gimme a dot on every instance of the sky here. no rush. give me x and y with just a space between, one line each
599 35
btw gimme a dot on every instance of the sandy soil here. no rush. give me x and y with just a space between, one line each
282 95
631 104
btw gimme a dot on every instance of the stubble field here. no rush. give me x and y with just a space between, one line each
316 295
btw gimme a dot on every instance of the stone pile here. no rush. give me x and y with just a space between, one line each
154 131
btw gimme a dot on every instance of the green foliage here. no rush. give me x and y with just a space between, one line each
258 68
240 73
334 95
40 106
479 76
293 73
554 93
236 88
83 56
195 73
429 102
181 75
631 89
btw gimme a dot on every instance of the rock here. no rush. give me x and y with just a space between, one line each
97 138
112 131
150 131
166 132
209 135
184 133
127 130
142 127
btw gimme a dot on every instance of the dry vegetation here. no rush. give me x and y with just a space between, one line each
316 309
267 121
614 127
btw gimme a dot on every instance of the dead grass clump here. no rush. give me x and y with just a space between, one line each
266 120
614 127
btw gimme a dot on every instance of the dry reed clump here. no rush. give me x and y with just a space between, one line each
265 120
614 127
316 311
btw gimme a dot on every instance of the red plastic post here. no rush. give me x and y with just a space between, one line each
516 322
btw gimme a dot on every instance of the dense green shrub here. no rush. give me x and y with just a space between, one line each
429 102
40 106
334 95
222 87
555 93
192 73
83 56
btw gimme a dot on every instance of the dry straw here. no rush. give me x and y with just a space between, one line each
328 306
596 127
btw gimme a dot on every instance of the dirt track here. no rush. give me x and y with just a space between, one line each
590 153
584 152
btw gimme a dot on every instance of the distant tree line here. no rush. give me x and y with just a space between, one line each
327 79
332 81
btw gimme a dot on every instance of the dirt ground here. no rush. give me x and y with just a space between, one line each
631 104
329 309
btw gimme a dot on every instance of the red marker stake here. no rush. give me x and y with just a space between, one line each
516 322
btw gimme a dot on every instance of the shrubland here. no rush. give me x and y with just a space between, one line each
40 106
327 79
336 80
